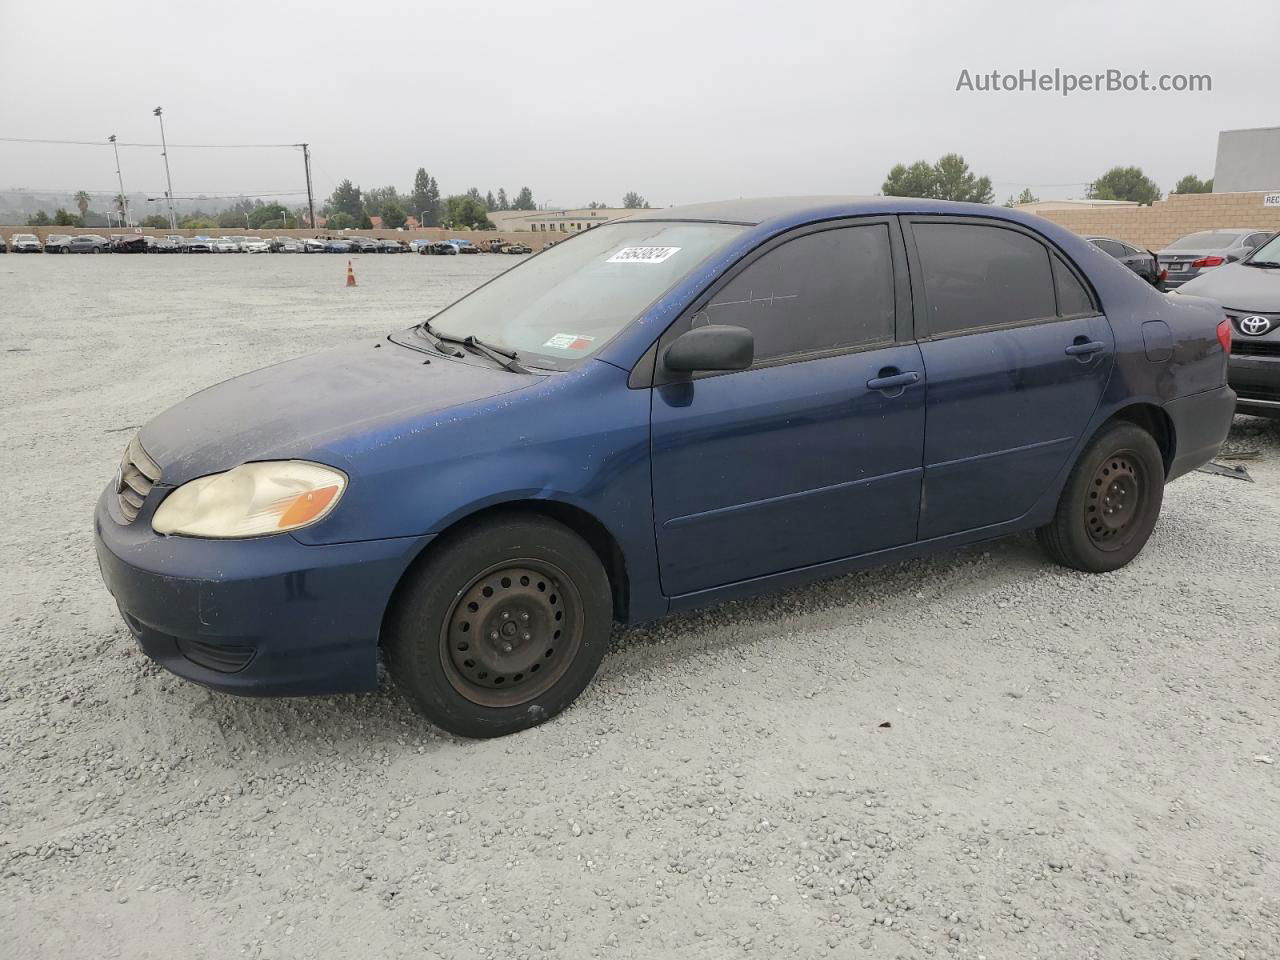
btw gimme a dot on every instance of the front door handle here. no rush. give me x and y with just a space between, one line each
893 381
1086 348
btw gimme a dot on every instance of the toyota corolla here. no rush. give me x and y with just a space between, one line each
678 408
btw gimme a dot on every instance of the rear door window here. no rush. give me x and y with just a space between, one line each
978 276
819 292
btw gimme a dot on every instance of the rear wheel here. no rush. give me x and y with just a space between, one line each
1110 504
500 628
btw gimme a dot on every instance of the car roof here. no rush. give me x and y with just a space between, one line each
759 210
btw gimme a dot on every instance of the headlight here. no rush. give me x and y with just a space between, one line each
251 500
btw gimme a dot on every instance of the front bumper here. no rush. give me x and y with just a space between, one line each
264 617
1256 380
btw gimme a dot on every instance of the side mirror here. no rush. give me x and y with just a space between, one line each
715 347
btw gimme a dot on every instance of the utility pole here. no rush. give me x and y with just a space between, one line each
124 201
164 152
311 203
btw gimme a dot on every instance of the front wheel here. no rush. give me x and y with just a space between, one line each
501 627
1110 504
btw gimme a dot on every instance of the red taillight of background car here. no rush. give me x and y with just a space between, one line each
1224 335
1209 262
1164 275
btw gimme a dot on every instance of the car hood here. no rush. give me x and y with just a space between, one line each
1239 287
297 409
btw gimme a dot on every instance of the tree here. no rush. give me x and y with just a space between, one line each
596 205
366 222
266 214
465 212
948 179
39 219
503 202
82 201
198 223
393 215
156 221
346 199
957 182
489 202
1193 184
426 198
340 221
524 200
633 201
64 219
1125 183
377 198
1026 196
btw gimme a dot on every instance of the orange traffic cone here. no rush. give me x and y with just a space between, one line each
351 275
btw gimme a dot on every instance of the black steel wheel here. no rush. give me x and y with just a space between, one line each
500 625
1110 503
512 633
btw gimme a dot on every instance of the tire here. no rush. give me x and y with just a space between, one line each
1110 504
500 627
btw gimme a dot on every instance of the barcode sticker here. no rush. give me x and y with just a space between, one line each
643 254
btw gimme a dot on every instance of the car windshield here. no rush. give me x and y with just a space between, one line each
1268 253
568 301
1209 240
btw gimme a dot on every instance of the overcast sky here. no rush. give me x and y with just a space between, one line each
682 101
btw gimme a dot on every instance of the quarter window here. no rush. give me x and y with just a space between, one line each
980 276
1073 298
822 291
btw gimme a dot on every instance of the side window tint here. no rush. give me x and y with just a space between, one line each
1073 298
1110 248
980 276
821 291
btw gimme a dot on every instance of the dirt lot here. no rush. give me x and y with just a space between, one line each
977 755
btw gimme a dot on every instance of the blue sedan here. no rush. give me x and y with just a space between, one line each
675 409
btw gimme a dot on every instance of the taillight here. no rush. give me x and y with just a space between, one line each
1164 275
1209 262
1224 335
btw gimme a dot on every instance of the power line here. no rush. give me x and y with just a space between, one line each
203 146
247 194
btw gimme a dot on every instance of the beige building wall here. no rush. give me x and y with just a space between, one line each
536 242
1158 225
556 221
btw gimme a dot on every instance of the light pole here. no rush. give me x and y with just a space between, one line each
164 152
124 201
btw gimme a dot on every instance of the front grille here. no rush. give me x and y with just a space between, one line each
1254 348
224 658
138 474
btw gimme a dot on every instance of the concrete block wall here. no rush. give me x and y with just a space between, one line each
1161 223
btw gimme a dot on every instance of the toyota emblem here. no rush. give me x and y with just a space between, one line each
1254 326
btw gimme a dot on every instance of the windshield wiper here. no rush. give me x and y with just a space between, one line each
508 358
1265 264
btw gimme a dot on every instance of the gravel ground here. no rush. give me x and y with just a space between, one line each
974 755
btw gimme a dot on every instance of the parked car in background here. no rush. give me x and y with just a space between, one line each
25 243
492 245
464 246
391 246
88 243
4 244
254 245
285 245
1249 291
313 245
439 248
415 246
166 245
199 245
336 245
138 243
515 246
363 245
1190 256
1142 262
56 243
226 245
484 519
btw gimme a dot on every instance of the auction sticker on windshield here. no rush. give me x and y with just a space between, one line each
569 341
643 254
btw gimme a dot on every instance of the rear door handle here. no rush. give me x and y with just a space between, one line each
893 381
1086 348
